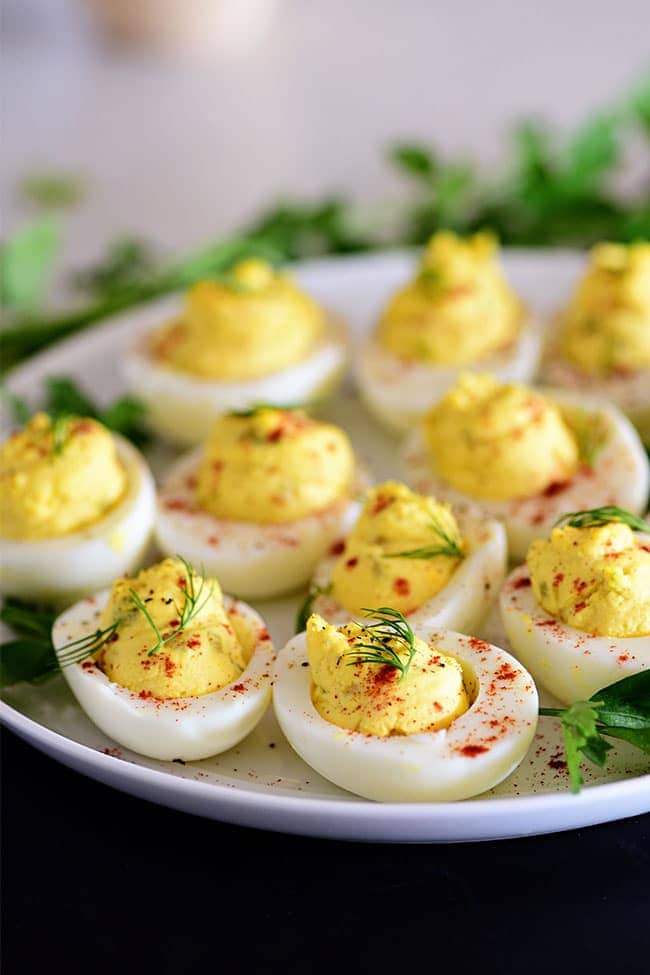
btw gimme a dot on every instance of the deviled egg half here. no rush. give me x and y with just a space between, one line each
77 507
601 341
577 613
400 714
410 552
165 665
262 502
511 452
251 337
458 312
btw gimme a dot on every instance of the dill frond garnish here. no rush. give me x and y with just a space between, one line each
87 646
446 546
191 606
602 516
60 433
390 642
261 407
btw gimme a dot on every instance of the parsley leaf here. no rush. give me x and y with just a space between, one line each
621 711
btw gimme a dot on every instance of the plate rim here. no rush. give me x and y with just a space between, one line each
466 809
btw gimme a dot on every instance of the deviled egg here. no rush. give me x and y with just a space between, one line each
397 714
510 452
601 341
252 337
77 507
262 501
410 552
577 613
165 665
458 312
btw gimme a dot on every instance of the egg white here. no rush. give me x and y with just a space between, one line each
466 598
61 569
496 731
630 392
189 728
571 664
182 408
251 560
399 392
620 476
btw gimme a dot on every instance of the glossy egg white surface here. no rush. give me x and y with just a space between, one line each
60 570
478 750
571 664
187 728
398 392
463 602
182 408
620 476
251 560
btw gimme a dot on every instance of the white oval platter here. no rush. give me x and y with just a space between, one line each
262 782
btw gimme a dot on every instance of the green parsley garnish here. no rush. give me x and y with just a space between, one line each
447 546
621 710
32 657
64 398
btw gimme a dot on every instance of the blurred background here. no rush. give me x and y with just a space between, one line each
186 118
321 126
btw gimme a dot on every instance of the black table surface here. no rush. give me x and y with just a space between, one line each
98 881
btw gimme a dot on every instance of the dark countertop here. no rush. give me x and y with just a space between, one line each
97 881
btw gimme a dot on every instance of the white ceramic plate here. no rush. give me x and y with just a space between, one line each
262 782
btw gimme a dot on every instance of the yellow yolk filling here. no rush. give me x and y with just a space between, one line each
57 479
594 579
253 323
606 327
273 466
370 698
370 572
499 442
209 653
459 308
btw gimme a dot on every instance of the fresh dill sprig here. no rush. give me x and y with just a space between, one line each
60 433
190 608
261 407
32 656
391 628
449 546
602 516
86 646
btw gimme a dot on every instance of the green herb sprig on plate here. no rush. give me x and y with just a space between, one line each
376 645
621 710
65 398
